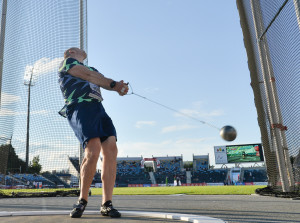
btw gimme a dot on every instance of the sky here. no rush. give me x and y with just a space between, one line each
187 55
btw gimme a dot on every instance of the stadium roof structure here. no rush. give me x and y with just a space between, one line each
74 161
129 158
168 157
200 156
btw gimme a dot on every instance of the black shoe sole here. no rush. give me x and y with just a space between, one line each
107 215
74 215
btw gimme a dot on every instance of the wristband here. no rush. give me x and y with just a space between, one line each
113 84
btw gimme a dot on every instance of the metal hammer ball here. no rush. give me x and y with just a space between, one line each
228 133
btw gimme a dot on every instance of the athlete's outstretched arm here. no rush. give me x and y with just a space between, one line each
97 78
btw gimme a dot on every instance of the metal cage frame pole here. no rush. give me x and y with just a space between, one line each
278 126
2 40
80 151
297 10
270 158
82 25
271 95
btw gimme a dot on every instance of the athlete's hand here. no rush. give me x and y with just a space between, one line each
121 88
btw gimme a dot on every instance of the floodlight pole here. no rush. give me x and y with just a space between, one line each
28 117
2 37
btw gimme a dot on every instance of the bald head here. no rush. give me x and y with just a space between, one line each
76 53
67 52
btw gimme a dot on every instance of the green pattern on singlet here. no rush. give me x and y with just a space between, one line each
74 63
74 89
81 99
69 100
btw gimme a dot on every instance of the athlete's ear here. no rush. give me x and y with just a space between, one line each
71 51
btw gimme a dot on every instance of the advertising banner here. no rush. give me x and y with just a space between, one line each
246 153
220 155
215 184
260 183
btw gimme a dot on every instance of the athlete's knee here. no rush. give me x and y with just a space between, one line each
110 152
92 151
109 148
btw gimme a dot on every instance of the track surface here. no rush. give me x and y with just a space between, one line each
230 208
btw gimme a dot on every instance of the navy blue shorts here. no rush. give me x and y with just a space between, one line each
89 120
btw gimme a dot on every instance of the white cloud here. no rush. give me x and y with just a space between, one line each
191 141
53 155
175 128
151 90
140 124
185 146
39 112
59 145
5 138
200 114
74 145
42 66
51 160
199 111
198 104
8 112
9 98
146 149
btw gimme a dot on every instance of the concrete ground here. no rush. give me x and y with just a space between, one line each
229 208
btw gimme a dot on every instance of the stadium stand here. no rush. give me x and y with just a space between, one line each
202 174
209 176
55 178
200 162
133 171
97 178
30 179
255 175
129 171
73 175
25 180
74 170
75 162
169 169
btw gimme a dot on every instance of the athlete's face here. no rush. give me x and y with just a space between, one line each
82 53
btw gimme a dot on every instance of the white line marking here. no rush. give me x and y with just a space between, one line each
175 216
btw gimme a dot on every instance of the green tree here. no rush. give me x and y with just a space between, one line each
14 163
35 166
4 151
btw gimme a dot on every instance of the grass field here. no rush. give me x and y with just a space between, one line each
189 190
10 191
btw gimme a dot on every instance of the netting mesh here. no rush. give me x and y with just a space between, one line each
272 37
36 35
